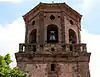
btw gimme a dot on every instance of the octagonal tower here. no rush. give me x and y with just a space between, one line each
52 45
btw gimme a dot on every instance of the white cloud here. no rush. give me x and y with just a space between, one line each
14 1
93 46
11 35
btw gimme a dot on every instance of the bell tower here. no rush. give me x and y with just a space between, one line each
53 45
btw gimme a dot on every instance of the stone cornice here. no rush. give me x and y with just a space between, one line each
29 57
61 6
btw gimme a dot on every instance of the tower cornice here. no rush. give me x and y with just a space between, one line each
47 6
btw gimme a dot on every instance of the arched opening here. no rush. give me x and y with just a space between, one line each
32 37
72 38
52 34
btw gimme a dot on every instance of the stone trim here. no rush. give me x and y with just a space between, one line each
25 57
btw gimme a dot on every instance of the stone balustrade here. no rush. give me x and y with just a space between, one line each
67 47
78 47
27 47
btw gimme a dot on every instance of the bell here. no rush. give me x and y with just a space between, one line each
52 35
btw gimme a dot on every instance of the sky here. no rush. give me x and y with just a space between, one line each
12 27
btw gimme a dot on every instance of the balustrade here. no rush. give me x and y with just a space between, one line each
27 47
71 47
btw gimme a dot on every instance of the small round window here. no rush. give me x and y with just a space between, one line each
33 22
71 22
52 17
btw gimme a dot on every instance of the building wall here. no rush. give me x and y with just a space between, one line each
65 70
36 70
56 21
74 27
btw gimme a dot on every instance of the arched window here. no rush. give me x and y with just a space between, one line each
52 34
72 36
32 37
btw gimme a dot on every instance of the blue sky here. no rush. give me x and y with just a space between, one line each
12 27
10 11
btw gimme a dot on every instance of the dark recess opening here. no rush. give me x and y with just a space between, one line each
52 67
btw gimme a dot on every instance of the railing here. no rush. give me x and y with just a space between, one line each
67 47
58 47
27 47
78 47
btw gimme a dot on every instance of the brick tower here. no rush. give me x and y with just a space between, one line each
52 45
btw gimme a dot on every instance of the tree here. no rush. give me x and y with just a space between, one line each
6 71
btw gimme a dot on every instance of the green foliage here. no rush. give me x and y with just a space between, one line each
6 71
